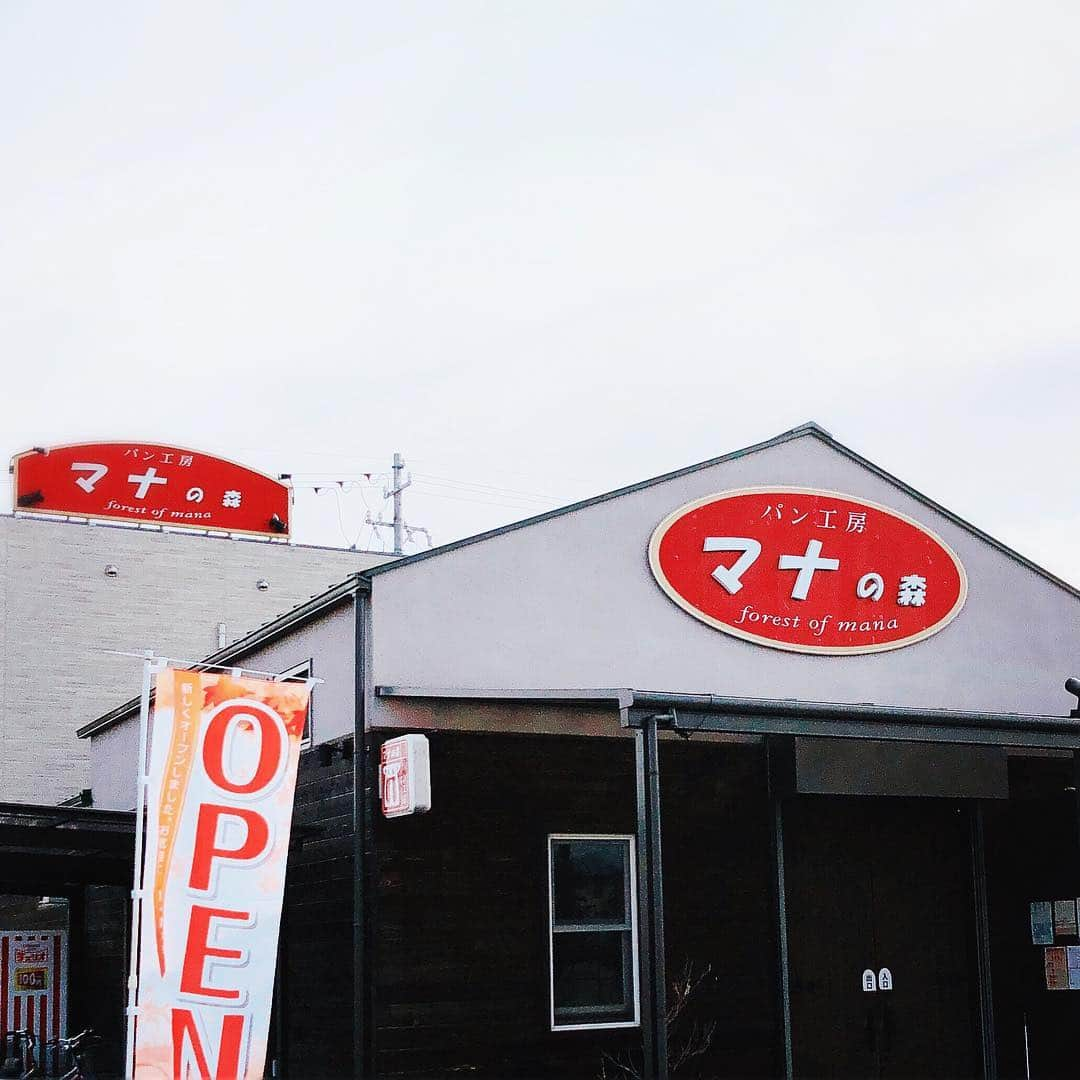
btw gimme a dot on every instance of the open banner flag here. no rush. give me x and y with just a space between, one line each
223 760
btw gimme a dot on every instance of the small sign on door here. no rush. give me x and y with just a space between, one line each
884 979
869 982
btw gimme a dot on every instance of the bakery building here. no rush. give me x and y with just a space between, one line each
762 768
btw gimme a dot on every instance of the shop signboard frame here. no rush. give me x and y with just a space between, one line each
144 483
807 570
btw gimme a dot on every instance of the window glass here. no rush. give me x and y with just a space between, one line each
593 958
590 882
590 972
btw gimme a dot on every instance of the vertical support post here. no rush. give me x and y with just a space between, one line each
1076 788
281 1006
399 469
364 853
137 879
651 959
80 1015
776 807
982 943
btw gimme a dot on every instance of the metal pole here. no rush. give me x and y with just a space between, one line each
364 854
137 880
399 468
775 796
280 1066
651 959
1076 790
988 1045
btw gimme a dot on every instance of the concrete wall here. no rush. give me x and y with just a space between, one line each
571 603
326 642
59 612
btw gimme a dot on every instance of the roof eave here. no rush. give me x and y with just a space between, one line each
263 635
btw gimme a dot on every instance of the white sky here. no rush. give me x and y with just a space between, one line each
551 247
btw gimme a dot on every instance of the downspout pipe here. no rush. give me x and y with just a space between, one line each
364 852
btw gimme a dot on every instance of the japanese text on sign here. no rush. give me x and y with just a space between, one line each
150 484
807 570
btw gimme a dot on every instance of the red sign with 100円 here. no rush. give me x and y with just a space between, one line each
151 484
807 570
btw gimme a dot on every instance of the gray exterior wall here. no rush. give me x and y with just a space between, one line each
570 603
59 612
326 641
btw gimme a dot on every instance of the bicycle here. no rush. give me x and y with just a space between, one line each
19 1060
78 1048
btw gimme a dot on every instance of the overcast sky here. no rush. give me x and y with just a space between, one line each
550 248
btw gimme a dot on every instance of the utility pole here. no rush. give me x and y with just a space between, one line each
399 521
401 530
400 480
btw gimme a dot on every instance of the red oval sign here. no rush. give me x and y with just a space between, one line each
807 570
150 484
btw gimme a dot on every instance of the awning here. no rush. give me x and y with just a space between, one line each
45 848
764 716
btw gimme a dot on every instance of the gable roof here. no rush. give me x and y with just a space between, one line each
360 581
808 430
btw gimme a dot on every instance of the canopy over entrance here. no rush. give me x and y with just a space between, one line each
59 847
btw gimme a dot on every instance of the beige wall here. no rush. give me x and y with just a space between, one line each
571 603
59 612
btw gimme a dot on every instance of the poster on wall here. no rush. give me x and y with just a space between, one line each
1042 923
1065 918
1056 966
1072 958
33 983
222 775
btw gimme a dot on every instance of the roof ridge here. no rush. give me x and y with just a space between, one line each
809 428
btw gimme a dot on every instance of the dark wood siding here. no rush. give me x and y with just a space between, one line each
315 959
719 899
462 919
1032 853
98 971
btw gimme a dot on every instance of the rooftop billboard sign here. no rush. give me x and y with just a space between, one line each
149 484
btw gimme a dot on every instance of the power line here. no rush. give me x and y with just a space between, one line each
426 480
470 493
482 502
490 487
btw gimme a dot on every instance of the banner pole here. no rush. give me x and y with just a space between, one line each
138 876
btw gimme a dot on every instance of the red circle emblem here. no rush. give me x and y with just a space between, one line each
807 570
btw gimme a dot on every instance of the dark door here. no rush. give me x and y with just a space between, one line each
871 884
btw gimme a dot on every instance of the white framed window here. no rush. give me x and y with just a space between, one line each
304 671
592 922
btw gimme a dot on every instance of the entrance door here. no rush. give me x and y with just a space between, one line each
871 884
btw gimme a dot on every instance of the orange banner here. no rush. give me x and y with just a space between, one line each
182 696
224 754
